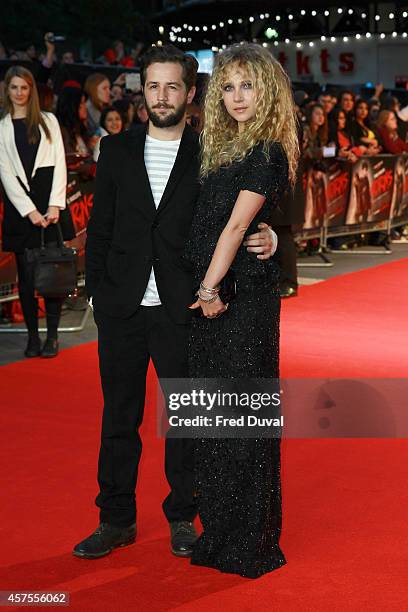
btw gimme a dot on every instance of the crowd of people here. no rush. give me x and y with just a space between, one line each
343 124
335 122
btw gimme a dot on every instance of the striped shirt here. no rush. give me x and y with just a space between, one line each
159 156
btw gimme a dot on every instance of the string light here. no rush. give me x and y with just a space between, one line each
377 18
358 36
391 15
323 38
382 35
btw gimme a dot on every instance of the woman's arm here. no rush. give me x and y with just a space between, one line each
58 194
12 187
246 207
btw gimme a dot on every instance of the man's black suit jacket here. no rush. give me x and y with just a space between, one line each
126 235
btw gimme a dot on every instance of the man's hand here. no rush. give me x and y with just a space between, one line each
264 243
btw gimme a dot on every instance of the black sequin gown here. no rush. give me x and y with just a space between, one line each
238 480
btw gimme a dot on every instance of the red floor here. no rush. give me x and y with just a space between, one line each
345 531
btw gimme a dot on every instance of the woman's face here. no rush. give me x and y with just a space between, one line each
82 110
103 92
19 91
341 121
238 95
318 116
391 123
113 122
362 111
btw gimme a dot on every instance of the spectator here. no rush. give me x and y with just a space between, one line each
361 130
393 104
343 139
72 115
111 123
31 139
127 111
300 97
68 57
117 56
374 108
141 115
97 87
326 100
116 92
315 133
388 132
346 103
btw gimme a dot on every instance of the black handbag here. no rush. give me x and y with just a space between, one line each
54 267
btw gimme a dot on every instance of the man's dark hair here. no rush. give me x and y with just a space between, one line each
347 92
170 53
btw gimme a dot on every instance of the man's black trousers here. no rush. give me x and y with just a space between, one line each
125 347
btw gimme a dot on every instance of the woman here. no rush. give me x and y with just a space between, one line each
342 138
361 130
72 116
388 132
111 123
126 110
315 131
33 174
97 88
249 153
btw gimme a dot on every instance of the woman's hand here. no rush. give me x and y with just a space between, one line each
53 214
38 219
211 311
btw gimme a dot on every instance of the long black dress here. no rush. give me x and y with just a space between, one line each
238 480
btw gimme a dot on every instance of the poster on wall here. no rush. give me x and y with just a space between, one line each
315 189
338 188
399 210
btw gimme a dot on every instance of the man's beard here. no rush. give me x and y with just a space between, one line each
170 120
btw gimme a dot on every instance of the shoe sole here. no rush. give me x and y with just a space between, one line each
96 556
179 553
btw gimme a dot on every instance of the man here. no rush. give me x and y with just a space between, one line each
146 188
326 100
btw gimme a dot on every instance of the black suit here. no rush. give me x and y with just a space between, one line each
126 236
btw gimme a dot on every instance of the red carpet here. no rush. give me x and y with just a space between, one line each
345 529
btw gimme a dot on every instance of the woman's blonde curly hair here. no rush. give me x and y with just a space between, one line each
274 120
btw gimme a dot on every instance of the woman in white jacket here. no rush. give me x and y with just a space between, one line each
34 178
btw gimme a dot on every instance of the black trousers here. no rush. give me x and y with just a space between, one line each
125 347
29 303
286 256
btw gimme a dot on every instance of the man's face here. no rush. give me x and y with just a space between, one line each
165 94
327 103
